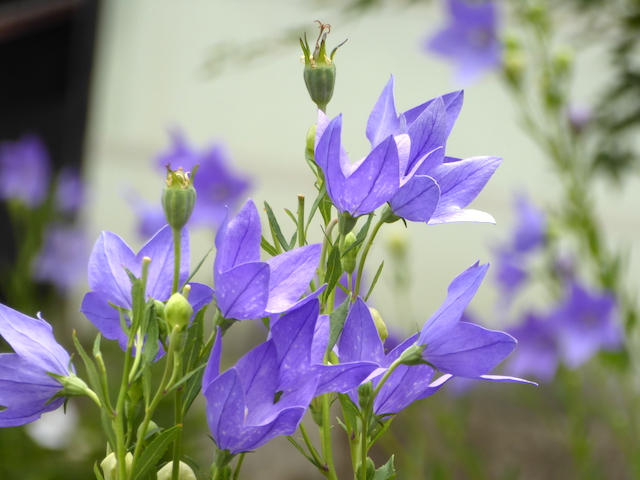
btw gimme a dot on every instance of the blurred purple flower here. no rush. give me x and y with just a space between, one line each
247 288
511 273
63 258
587 322
69 191
25 171
470 39
217 185
150 214
25 386
268 391
110 283
531 227
538 350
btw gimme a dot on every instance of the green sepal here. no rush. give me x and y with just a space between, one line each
154 452
267 247
350 412
197 267
94 377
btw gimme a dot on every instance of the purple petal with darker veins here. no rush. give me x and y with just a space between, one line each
199 296
238 241
383 120
225 408
417 199
452 104
291 273
460 183
106 273
459 294
427 133
160 250
403 387
242 292
103 316
32 339
469 350
253 437
360 340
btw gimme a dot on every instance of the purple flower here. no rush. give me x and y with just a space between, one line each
538 350
587 322
69 191
430 188
470 39
268 391
452 347
25 171
366 185
25 386
217 185
110 283
248 288
511 274
63 257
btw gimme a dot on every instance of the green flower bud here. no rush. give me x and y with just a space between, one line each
348 259
179 197
72 386
152 428
380 325
185 472
178 311
310 146
319 69
365 391
110 466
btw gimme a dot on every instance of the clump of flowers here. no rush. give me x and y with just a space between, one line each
316 352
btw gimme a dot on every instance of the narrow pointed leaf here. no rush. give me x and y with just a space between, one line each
153 453
267 247
375 280
336 321
275 227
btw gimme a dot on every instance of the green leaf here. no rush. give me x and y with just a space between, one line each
107 428
92 372
96 471
325 208
198 266
386 472
275 227
193 344
362 234
294 239
314 207
151 346
186 377
350 412
153 453
336 322
375 280
334 271
292 216
267 247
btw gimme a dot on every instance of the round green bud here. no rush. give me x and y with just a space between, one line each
152 428
319 69
348 259
380 325
184 473
178 197
178 311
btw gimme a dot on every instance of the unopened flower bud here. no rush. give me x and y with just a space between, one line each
413 355
319 69
380 325
152 428
365 391
179 197
185 472
348 259
110 465
178 311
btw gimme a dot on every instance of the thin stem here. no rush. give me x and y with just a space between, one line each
177 443
363 257
325 247
177 237
301 229
236 472
118 420
307 440
327 451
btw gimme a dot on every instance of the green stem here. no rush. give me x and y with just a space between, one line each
236 472
301 230
325 247
177 443
118 420
310 447
327 451
363 257
177 237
